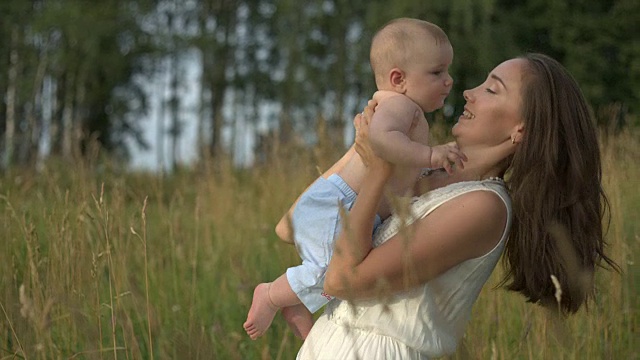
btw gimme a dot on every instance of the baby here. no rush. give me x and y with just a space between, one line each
410 59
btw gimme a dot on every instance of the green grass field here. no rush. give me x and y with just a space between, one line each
97 264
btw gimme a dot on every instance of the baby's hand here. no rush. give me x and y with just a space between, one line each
445 155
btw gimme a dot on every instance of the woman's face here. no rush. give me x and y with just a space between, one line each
492 111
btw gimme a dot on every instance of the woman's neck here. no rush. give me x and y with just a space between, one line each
482 163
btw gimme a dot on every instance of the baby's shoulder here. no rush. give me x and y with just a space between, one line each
381 95
395 103
392 97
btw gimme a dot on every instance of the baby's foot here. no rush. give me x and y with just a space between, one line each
299 319
261 312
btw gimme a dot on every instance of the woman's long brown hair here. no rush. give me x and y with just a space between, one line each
556 186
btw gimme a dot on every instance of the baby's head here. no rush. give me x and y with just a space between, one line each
412 57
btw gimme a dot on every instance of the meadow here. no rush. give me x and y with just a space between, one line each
97 263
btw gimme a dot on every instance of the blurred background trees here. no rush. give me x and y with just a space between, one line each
77 77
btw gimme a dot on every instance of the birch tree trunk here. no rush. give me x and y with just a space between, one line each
174 104
57 101
67 117
225 19
80 114
200 139
10 130
160 132
34 121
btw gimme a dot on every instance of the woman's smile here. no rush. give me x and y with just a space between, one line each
466 114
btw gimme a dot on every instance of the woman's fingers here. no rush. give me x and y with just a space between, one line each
364 117
362 146
368 111
361 123
363 155
357 123
362 140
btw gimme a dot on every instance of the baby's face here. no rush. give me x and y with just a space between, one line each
427 76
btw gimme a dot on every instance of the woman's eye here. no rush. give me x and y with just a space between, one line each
490 91
436 72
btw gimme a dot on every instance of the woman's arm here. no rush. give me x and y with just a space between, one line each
463 228
354 242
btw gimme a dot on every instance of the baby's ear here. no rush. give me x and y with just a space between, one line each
397 80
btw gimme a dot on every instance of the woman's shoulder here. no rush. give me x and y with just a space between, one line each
480 198
475 203
492 188
484 210
489 196
476 220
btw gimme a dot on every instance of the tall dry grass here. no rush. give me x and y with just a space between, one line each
98 264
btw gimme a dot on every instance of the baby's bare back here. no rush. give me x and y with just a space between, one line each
400 184
415 129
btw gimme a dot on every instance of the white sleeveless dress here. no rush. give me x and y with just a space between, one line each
422 323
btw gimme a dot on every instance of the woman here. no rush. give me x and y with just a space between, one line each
411 296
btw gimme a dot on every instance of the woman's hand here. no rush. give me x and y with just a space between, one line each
363 146
354 242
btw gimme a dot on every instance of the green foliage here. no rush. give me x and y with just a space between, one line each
595 40
308 59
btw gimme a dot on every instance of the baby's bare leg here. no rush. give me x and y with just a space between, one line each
299 319
261 312
287 241
284 228
267 299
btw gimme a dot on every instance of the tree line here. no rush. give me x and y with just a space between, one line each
71 72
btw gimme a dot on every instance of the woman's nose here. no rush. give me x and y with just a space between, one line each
467 95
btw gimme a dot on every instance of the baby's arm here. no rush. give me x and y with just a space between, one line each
392 121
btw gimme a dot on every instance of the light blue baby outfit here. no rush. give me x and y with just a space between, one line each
316 225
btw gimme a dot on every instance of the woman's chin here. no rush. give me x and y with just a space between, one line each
454 129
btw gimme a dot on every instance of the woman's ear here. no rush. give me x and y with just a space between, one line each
517 134
397 80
